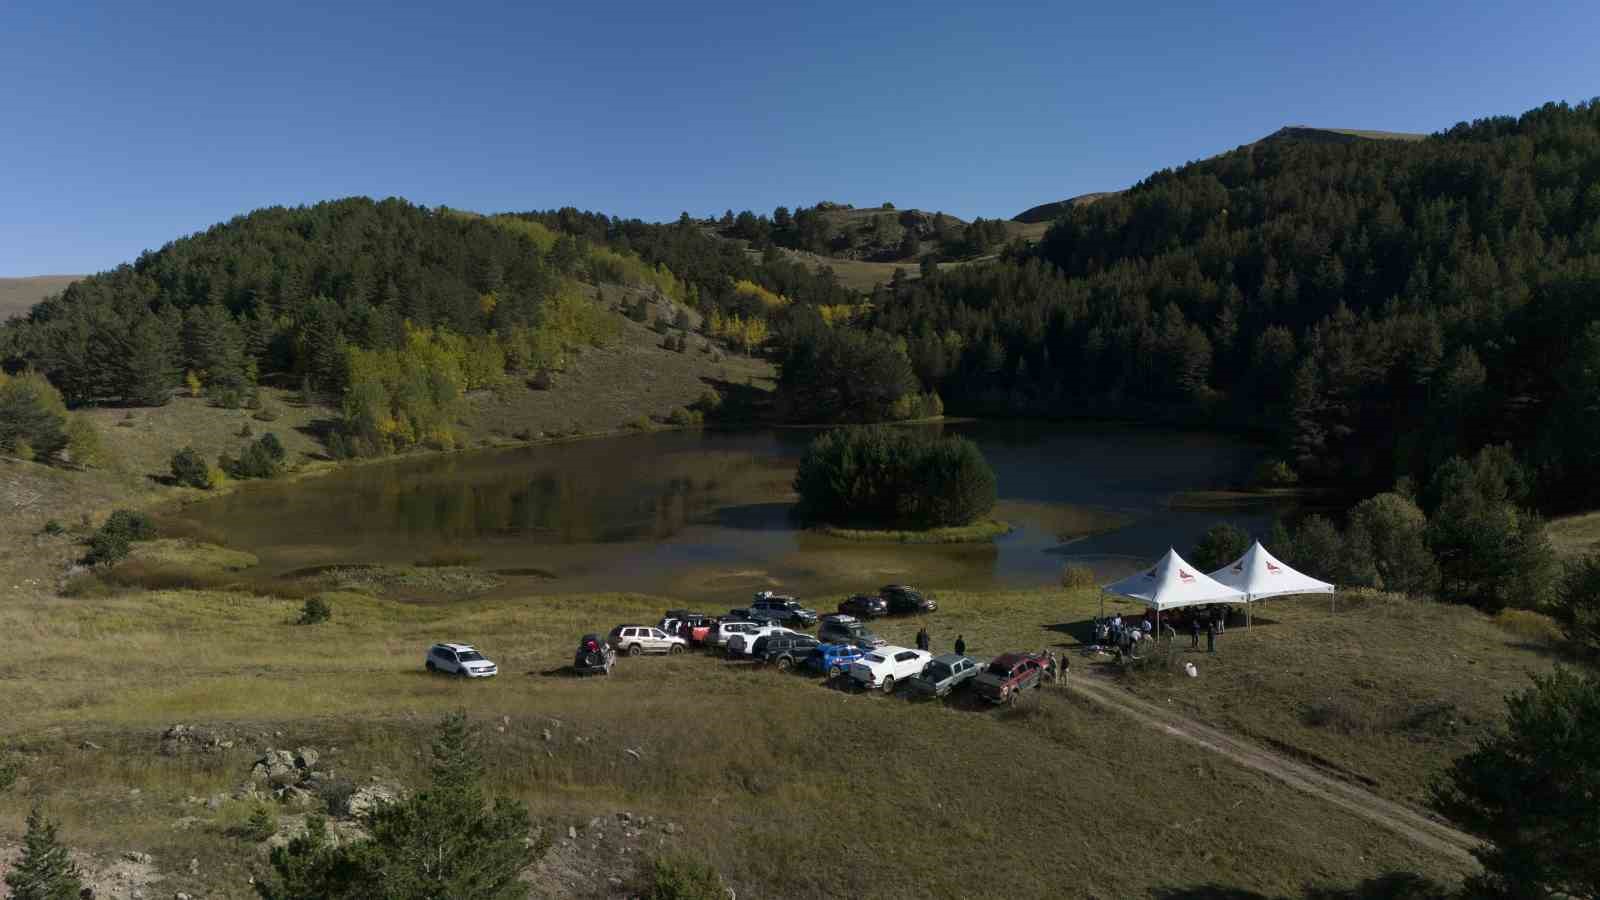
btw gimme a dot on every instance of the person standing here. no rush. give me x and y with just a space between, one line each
922 638
1194 632
961 645
1211 637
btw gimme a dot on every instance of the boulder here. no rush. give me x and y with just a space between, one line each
306 758
369 797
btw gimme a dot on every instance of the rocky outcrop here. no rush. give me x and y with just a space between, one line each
182 739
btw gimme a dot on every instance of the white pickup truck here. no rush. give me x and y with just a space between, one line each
886 666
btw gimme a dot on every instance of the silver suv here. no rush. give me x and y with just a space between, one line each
459 659
636 639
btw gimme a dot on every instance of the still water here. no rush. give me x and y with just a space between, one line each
694 513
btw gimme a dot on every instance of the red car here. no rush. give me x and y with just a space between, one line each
1010 674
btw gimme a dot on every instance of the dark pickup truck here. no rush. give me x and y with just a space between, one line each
784 609
903 598
785 651
1008 675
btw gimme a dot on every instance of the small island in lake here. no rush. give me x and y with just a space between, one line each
896 484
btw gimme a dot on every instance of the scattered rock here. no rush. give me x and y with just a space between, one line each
180 896
135 856
89 745
547 735
572 832
670 828
181 739
633 753
369 797
306 758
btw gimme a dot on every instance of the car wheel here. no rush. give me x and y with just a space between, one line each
635 649
835 671
888 685
431 666
676 649
785 664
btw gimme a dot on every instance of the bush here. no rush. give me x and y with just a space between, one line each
263 458
1536 628
1275 473
265 414
683 416
1386 546
1221 544
642 423
680 878
113 540
10 771
261 825
1578 601
189 469
709 401
83 442
33 419
1076 577
246 431
887 477
314 611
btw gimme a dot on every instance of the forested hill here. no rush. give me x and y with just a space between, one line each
287 292
1379 305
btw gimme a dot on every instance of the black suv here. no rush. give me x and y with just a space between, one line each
784 650
903 598
758 616
787 609
865 606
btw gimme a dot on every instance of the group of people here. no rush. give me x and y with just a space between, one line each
1127 638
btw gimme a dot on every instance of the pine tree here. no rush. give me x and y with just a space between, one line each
147 363
45 871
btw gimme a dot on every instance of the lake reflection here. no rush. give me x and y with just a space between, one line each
687 512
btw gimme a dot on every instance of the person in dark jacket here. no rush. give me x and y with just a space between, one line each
961 645
1194 632
1211 637
922 638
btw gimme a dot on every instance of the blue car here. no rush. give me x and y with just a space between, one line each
834 660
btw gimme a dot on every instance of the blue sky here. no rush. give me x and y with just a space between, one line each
129 126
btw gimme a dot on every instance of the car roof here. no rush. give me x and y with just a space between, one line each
896 587
891 648
456 647
950 659
632 625
1009 659
841 618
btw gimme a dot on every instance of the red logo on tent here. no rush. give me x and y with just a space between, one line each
1184 576
1273 569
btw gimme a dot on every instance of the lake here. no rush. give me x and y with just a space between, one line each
707 513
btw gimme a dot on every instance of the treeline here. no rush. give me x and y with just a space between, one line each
1379 306
885 236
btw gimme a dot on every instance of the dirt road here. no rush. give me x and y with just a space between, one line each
1396 817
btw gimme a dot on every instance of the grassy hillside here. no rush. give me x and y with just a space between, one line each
17 295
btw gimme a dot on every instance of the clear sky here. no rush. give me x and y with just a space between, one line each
125 125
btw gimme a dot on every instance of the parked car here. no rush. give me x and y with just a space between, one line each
459 659
865 606
784 650
886 666
743 644
903 598
786 608
847 630
691 626
944 674
594 656
751 614
834 660
636 639
1008 675
726 629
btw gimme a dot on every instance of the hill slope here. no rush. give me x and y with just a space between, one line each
18 295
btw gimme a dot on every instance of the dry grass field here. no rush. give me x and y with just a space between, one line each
17 295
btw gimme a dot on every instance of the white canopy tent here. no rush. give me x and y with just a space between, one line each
1259 575
1170 584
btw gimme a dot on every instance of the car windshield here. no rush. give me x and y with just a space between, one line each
872 657
469 656
1000 669
936 672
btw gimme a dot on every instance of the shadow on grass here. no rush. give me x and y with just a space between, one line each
1392 886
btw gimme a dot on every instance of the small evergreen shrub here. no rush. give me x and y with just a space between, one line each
113 540
680 878
189 469
314 611
261 825
1075 577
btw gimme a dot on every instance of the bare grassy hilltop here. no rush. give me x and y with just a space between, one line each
18 295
